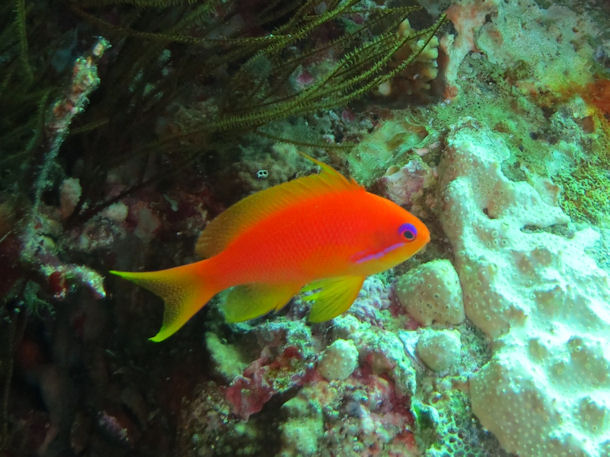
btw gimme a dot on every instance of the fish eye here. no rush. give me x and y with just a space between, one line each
408 231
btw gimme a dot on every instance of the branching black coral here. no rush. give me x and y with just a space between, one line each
188 74
357 73
25 91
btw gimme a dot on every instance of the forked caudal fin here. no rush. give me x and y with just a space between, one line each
184 290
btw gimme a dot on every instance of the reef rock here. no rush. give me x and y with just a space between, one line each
439 349
540 297
339 360
432 293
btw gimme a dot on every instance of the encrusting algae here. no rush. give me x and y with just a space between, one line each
321 233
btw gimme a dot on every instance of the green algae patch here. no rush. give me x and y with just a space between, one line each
586 187
585 193
227 358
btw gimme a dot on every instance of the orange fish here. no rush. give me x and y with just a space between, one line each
321 233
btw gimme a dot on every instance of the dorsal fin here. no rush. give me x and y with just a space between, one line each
254 208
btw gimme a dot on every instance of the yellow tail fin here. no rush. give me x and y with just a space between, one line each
183 289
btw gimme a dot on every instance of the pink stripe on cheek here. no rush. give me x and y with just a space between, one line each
377 255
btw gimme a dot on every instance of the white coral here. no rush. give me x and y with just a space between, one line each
339 360
432 293
540 297
439 349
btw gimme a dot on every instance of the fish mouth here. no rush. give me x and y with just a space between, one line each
423 246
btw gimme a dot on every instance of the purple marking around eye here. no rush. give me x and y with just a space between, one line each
378 255
407 228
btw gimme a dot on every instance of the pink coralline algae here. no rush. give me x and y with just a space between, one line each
363 415
346 389
117 427
373 300
262 379
248 393
403 185
467 18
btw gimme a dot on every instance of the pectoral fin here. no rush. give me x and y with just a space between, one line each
335 296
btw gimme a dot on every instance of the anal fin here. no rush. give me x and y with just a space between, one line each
335 296
253 300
